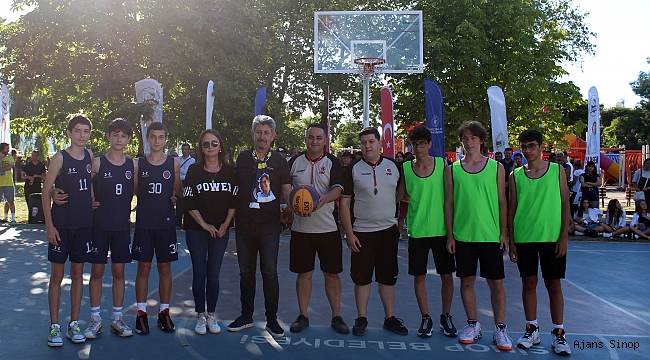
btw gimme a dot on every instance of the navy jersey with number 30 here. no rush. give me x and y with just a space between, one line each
74 179
155 189
113 189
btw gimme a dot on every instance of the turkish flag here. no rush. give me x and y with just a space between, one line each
388 149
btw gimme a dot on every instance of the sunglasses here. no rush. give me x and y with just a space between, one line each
206 144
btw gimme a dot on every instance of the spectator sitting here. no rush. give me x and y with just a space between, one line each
590 182
640 224
588 219
615 221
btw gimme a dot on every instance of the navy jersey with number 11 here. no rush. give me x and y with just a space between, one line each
74 180
113 189
155 189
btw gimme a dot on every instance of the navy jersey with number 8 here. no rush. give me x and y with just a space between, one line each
113 188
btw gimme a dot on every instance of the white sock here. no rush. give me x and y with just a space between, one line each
163 307
142 306
13 216
556 326
117 312
94 313
533 322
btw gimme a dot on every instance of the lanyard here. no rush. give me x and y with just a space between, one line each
313 165
374 174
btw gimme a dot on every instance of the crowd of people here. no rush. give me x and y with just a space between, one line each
214 193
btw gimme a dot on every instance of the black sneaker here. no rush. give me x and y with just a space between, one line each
340 326
395 325
240 323
142 323
360 324
165 321
426 327
300 323
274 328
447 325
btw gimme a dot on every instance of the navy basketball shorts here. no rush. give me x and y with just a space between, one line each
527 260
75 244
489 254
419 255
379 254
304 247
161 241
119 243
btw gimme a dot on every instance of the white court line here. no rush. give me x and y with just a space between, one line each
609 303
611 251
613 355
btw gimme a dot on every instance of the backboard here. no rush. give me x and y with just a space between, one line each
342 36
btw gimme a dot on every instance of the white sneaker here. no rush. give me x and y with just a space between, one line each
530 337
558 342
607 235
54 338
200 325
470 333
636 236
94 328
74 333
501 339
118 326
579 233
212 325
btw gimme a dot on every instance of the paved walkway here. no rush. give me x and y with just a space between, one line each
606 311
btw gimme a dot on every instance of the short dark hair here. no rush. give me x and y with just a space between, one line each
347 154
317 125
369 131
420 132
518 155
507 149
498 152
3 146
35 151
156 126
530 135
186 144
122 125
476 128
78 119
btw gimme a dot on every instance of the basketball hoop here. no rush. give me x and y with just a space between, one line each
370 65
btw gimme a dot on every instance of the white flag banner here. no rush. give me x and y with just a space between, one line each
5 105
209 105
145 90
498 118
593 129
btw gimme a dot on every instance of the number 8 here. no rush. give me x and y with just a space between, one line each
118 189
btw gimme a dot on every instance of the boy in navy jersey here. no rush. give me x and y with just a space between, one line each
155 226
68 226
113 186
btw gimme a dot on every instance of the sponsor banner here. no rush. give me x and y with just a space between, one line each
209 104
147 90
388 149
593 129
499 121
434 115
5 106
260 101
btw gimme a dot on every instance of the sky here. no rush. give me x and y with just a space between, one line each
621 48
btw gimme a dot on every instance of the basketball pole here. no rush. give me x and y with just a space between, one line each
366 100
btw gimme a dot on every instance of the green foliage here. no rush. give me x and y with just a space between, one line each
347 134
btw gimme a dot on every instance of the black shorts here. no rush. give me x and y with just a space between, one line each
163 241
379 254
303 249
419 255
468 254
74 243
119 243
528 255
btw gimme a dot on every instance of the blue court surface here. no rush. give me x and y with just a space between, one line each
607 311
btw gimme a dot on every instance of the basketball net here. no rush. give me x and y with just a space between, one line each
369 67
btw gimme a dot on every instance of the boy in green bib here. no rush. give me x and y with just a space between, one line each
475 217
538 220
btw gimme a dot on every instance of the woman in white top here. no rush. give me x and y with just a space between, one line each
640 224
615 221
587 218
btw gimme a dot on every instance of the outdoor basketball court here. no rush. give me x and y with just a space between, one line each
607 314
